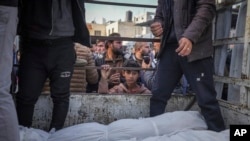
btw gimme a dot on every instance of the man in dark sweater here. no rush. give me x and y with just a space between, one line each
8 118
48 30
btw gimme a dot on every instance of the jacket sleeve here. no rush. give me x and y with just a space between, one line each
81 30
158 14
149 77
91 74
205 12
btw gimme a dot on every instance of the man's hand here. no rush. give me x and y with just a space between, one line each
185 47
105 72
115 78
156 29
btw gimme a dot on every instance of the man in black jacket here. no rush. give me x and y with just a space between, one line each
8 119
48 30
186 48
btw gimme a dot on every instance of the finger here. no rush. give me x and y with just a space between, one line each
156 28
157 31
116 76
117 79
186 51
155 24
181 46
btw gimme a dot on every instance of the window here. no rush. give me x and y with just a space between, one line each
98 33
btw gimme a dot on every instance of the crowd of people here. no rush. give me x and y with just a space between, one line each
51 44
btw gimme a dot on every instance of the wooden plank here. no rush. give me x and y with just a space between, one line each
236 58
226 41
222 30
233 81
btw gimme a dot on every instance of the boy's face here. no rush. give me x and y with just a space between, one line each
130 76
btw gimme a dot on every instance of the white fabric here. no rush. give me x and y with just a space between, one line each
167 123
190 135
172 126
31 134
82 132
142 128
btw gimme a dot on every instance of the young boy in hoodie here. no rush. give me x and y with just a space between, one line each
130 86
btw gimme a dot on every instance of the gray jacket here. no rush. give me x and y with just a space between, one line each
193 20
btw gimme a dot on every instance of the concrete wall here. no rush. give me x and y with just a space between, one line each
102 108
108 108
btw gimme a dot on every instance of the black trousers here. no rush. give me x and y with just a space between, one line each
42 59
200 76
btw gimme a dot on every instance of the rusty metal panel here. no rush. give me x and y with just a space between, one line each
234 114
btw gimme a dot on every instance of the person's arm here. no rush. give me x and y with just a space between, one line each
91 74
149 78
158 14
103 83
205 12
156 26
103 87
81 31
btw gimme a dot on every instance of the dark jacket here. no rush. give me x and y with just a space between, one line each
193 20
48 24
9 2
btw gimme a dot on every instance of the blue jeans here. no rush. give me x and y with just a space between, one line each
200 76
8 119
